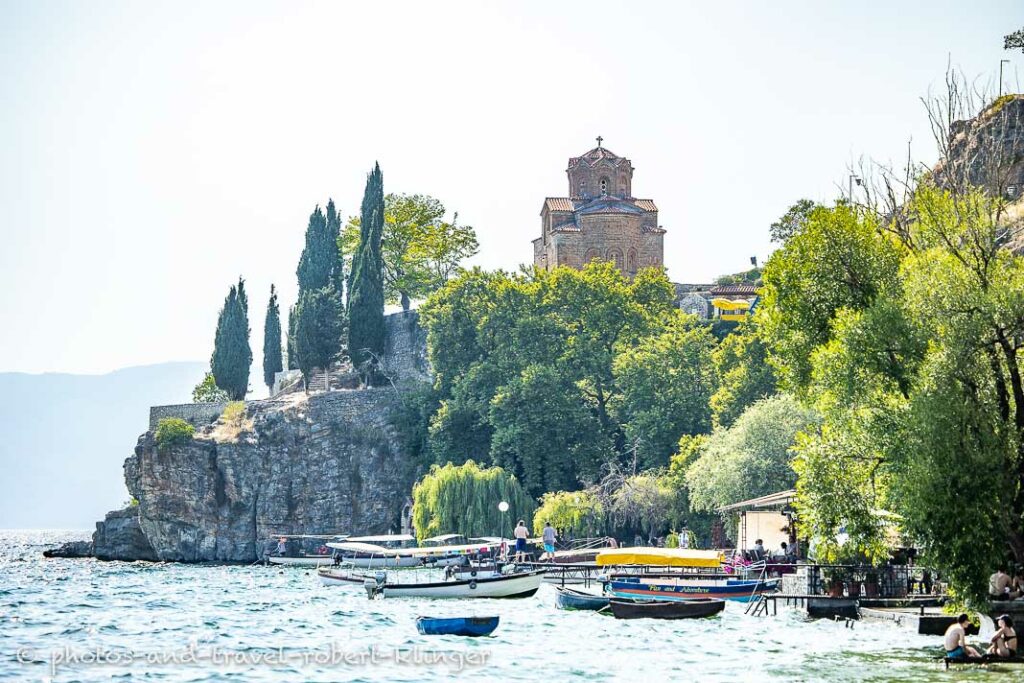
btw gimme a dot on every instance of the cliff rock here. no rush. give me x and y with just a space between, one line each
324 463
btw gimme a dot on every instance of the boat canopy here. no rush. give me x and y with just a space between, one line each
661 557
384 538
441 550
368 548
443 538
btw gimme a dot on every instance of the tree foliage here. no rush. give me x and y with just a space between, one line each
792 222
1014 41
366 288
743 372
207 391
321 264
464 499
907 341
318 329
575 513
751 458
526 370
272 341
232 355
420 250
173 431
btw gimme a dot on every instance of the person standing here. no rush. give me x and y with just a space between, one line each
521 534
549 539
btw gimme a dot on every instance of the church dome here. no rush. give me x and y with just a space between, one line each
600 172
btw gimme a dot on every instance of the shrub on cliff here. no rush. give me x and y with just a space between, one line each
464 499
173 431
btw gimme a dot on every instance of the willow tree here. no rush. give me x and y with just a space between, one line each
464 499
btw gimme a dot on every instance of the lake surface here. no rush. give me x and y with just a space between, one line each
83 620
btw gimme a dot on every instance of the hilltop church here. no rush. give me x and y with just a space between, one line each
600 218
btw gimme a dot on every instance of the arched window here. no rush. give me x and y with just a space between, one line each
615 256
582 186
631 262
591 255
604 186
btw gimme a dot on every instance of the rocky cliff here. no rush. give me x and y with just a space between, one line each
325 463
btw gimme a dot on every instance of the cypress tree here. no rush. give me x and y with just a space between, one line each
320 263
318 329
293 356
232 355
272 341
366 289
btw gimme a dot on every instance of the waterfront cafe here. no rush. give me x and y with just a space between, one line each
770 518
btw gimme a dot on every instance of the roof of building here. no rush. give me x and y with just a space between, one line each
734 290
596 155
605 204
781 498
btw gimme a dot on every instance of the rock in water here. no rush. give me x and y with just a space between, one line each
71 549
119 537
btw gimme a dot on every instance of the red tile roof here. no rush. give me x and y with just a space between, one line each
558 204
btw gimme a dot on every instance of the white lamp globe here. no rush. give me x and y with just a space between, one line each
503 506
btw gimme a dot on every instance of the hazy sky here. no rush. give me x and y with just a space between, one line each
150 153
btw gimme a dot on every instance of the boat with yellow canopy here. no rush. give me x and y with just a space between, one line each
660 557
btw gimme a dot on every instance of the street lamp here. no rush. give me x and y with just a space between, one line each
1001 62
503 507
852 179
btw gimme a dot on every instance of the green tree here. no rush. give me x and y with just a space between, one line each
208 392
579 513
793 221
666 384
232 355
464 499
318 330
292 355
750 459
272 341
320 263
366 290
420 250
744 374
1014 41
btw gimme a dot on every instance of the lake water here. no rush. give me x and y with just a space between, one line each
83 620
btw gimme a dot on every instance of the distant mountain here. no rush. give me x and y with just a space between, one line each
63 439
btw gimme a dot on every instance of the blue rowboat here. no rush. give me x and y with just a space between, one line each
573 599
458 626
739 590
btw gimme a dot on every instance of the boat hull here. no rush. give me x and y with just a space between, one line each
511 586
573 599
339 577
460 626
736 590
667 609
302 561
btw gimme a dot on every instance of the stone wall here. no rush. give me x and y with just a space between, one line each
198 414
405 352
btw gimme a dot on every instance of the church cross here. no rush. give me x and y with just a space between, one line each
599 139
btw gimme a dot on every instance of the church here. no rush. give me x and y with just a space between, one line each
599 218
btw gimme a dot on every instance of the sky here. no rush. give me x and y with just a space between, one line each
150 153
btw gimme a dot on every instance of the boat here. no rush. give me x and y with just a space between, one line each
574 599
458 626
297 550
371 556
340 576
667 609
661 557
512 585
684 588
307 560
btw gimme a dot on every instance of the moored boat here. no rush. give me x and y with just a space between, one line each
667 609
340 576
682 589
515 585
457 626
574 599
300 560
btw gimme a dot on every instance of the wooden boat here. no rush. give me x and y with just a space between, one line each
458 626
516 585
340 576
574 599
683 588
300 560
669 609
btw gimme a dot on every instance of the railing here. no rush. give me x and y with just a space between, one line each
854 581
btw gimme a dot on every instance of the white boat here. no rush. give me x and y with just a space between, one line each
300 560
516 585
370 556
340 576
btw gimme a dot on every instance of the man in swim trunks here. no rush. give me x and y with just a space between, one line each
956 640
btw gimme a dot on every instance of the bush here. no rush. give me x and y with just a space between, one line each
173 431
233 413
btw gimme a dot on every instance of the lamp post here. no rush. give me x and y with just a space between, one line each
503 507
852 179
1001 62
